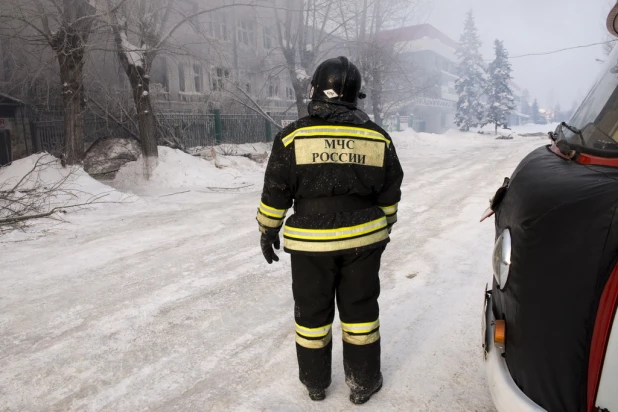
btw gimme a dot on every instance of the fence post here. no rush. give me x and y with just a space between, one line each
398 123
217 126
36 141
269 128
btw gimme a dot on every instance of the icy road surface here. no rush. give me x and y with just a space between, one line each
168 305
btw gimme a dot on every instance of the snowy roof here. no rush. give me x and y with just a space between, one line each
416 32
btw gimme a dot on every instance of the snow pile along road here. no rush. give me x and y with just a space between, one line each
44 170
42 179
169 305
177 169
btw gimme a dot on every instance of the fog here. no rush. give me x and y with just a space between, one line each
536 26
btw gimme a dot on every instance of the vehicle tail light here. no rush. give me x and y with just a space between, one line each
500 333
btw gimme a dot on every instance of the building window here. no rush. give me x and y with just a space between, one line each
273 88
268 38
245 32
289 93
181 78
159 73
197 76
218 77
217 26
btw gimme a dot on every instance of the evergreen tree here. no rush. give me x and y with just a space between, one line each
500 100
471 82
535 116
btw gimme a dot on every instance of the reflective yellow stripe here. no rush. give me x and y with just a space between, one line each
334 234
314 343
335 131
272 212
390 210
392 219
268 222
313 332
361 339
360 327
320 247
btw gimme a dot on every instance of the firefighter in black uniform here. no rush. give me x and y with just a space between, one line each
341 173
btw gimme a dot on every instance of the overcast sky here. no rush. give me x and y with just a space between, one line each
530 26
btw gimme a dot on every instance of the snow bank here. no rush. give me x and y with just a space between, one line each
177 169
522 130
46 171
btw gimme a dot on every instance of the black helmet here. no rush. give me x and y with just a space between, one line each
337 81
612 20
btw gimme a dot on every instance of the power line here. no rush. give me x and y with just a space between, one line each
561 50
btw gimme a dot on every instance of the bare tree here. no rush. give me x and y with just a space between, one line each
144 29
65 26
383 65
306 32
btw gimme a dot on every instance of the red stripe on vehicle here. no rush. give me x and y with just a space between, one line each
586 159
600 336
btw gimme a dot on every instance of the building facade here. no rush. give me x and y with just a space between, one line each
430 54
231 54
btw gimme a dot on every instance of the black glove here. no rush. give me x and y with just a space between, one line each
267 241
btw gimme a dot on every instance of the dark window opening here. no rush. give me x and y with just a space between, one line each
197 76
181 78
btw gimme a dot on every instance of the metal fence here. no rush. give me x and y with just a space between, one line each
193 130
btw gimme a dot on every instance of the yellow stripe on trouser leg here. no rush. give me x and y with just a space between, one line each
314 343
361 339
313 332
361 333
360 327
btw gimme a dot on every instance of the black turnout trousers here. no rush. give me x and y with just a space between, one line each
353 280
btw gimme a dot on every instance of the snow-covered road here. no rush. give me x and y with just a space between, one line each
168 305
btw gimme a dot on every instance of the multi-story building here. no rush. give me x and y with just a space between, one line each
235 50
430 54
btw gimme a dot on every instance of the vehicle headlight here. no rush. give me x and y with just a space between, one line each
502 258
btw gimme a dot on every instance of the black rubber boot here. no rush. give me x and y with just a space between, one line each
360 396
317 394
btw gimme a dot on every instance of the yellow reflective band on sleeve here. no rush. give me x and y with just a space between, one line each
338 131
272 212
390 210
313 332
323 247
314 343
360 327
361 339
392 219
268 222
335 234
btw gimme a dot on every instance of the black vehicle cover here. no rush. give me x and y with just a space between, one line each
562 218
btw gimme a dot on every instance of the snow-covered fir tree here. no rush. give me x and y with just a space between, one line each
500 100
471 82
